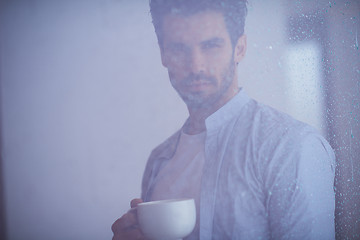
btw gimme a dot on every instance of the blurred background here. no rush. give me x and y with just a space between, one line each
84 100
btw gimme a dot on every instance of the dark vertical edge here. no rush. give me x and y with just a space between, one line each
315 26
330 105
2 185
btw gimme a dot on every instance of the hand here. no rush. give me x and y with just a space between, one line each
127 226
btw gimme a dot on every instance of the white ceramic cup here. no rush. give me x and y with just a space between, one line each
167 219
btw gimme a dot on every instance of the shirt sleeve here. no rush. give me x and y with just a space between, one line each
299 188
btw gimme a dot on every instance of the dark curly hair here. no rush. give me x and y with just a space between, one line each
234 12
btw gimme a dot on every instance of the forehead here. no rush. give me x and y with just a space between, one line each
194 28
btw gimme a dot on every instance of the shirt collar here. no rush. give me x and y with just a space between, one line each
226 112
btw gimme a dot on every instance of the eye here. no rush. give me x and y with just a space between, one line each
177 48
210 45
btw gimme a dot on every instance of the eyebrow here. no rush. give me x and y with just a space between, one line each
211 41
176 45
215 40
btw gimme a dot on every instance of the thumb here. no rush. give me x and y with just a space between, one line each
135 202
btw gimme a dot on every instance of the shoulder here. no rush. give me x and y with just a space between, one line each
287 132
270 120
267 124
285 143
273 134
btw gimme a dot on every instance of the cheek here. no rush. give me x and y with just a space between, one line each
213 69
218 63
175 78
177 75
177 67
174 59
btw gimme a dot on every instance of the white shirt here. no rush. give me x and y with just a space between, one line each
266 175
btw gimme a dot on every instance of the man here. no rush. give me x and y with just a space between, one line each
254 173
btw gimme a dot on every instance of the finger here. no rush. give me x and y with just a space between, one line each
129 234
126 221
134 234
135 202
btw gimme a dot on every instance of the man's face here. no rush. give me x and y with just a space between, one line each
199 56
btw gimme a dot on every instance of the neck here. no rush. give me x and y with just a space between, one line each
197 116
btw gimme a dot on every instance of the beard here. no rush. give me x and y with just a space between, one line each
201 99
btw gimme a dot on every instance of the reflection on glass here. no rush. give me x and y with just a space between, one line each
304 85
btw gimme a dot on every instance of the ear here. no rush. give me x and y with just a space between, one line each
240 49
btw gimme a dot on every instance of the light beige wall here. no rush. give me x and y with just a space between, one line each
344 104
261 73
84 100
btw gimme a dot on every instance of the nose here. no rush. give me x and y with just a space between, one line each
197 61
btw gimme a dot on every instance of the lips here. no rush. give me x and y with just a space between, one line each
198 82
198 85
